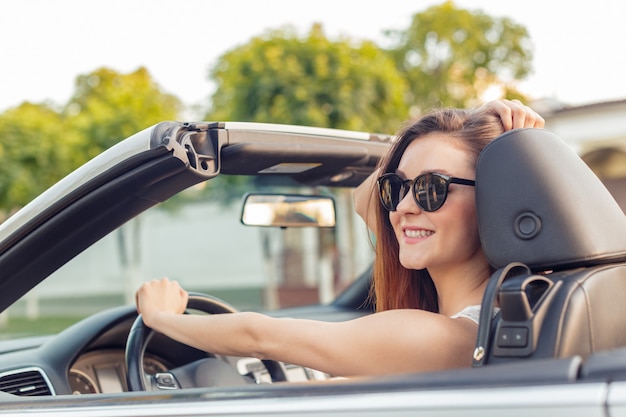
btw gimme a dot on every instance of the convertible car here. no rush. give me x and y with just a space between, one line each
552 339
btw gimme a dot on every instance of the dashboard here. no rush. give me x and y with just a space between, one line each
89 358
104 371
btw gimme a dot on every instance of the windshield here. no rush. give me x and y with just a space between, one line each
203 245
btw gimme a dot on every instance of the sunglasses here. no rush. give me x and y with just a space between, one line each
429 190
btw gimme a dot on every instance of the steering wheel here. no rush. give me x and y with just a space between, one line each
206 372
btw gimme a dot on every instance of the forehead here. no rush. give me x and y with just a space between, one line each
438 152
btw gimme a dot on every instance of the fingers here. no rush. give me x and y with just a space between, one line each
524 116
514 114
161 295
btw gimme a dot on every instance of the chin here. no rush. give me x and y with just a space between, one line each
412 263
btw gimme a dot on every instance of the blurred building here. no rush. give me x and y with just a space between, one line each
597 132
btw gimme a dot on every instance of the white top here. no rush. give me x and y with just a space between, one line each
469 312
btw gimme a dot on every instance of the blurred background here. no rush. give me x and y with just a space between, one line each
78 76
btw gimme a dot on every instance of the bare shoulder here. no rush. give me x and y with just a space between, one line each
413 319
417 340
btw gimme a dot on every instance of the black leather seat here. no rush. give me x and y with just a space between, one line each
558 240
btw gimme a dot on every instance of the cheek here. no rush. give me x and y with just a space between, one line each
395 219
461 215
469 224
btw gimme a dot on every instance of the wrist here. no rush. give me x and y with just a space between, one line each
154 319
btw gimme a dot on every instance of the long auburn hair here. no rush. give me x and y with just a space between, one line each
396 287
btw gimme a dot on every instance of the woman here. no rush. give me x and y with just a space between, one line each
425 302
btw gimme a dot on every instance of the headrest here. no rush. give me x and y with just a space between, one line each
538 203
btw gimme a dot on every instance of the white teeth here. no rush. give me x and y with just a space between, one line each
417 233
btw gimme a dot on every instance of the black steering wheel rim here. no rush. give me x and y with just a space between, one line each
140 335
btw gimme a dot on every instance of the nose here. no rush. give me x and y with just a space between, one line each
408 205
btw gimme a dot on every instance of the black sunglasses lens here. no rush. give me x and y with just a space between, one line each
391 190
430 191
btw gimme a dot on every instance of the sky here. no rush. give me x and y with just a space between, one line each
579 52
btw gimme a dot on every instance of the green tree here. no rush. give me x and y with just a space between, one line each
452 56
282 78
36 150
108 106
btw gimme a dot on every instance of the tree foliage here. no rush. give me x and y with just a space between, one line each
35 151
108 106
40 144
452 56
282 78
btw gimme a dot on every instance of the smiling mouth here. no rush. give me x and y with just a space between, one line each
418 234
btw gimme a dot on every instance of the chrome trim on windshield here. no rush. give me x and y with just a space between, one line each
297 130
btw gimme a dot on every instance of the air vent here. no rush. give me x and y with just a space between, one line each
25 382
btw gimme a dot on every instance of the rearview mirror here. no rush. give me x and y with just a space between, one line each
280 210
